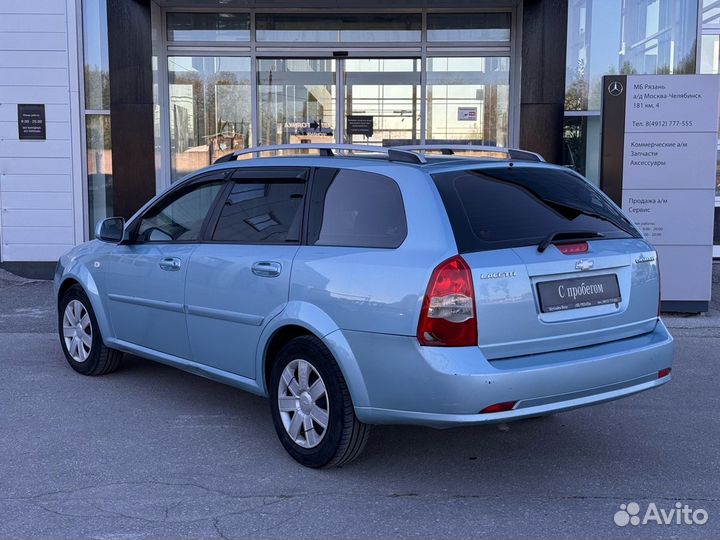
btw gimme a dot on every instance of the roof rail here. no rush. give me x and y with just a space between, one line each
451 149
329 149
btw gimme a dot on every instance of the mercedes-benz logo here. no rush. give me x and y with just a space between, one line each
615 88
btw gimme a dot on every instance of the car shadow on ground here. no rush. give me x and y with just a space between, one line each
565 440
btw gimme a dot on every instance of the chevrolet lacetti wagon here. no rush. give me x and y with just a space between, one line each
360 285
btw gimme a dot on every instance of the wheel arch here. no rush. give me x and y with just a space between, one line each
86 282
65 285
304 319
282 336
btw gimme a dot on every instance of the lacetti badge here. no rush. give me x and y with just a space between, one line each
584 264
498 275
644 259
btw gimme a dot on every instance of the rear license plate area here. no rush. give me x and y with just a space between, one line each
577 293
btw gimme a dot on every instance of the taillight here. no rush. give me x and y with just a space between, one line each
572 249
447 318
664 372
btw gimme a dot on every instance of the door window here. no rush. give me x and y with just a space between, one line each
180 216
356 209
265 208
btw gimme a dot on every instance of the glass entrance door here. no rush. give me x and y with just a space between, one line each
297 100
382 100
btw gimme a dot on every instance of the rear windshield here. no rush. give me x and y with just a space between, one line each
521 206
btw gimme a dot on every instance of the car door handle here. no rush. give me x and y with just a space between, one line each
171 264
267 268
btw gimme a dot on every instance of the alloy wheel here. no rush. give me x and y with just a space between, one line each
303 403
77 331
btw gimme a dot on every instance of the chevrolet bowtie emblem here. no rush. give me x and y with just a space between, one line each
584 264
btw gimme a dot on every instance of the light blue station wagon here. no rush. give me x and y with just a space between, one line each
362 285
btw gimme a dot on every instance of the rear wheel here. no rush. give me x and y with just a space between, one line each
80 336
311 406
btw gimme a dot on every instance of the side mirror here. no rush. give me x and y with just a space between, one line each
110 230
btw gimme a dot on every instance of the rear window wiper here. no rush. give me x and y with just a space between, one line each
567 235
617 219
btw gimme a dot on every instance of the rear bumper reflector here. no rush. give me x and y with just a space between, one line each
499 407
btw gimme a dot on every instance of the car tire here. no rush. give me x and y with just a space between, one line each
306 390
80 336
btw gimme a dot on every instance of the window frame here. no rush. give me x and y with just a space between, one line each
175 193
249 177
316 207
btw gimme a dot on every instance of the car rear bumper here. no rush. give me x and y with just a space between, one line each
373 415
445 387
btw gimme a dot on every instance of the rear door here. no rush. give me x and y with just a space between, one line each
595 280
238 279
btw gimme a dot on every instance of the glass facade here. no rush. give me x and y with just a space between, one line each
99 167
467 99
710 53
273 78
338 28
210 113
98 163
95 55
297 99
449 27
208 26
608 37
710 64
388 89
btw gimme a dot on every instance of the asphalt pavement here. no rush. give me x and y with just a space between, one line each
152 452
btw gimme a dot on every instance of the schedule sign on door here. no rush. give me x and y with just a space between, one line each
659 159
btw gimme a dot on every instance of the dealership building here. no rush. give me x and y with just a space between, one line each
105 102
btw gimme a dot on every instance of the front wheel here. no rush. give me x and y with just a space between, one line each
80 335
311 406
